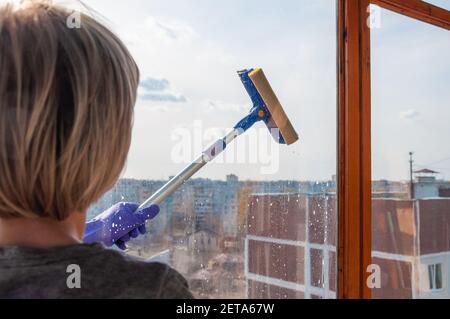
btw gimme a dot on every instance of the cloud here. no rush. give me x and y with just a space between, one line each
161 108
169 29
152 84
164 97
410 114
158 90
214 105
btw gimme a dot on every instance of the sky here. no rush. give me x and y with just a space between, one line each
189 51
410 96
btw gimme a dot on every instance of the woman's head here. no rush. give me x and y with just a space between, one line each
66 108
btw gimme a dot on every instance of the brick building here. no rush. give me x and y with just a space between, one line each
284 257
290 249
411 244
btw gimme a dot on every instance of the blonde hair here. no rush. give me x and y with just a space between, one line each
66 109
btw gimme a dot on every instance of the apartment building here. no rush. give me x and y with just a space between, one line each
290 247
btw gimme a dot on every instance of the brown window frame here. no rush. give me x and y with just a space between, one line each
354 134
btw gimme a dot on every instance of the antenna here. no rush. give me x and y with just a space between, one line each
411 178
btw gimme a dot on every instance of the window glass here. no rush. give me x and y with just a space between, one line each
431 276
259 221
410 157
445 4
435 276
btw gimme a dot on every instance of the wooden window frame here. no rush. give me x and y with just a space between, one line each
354 134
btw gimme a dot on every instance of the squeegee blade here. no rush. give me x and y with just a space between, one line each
277 113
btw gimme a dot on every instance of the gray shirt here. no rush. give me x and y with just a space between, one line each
100 273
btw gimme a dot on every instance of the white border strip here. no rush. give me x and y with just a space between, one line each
290 242
289 285
406 258
383 255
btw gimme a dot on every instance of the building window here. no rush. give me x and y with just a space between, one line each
435 276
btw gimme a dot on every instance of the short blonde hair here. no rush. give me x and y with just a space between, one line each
66 110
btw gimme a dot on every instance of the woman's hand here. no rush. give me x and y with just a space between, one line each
119 224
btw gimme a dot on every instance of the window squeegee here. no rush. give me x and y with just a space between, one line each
266 107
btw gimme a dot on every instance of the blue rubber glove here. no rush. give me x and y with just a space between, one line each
118 224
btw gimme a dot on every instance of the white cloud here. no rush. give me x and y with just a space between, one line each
163 97
169 29
158 90
410 114
217 105
160 108
152 84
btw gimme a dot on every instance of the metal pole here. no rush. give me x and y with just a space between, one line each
175 182
411 178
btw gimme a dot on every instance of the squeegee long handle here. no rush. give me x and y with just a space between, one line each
175 182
